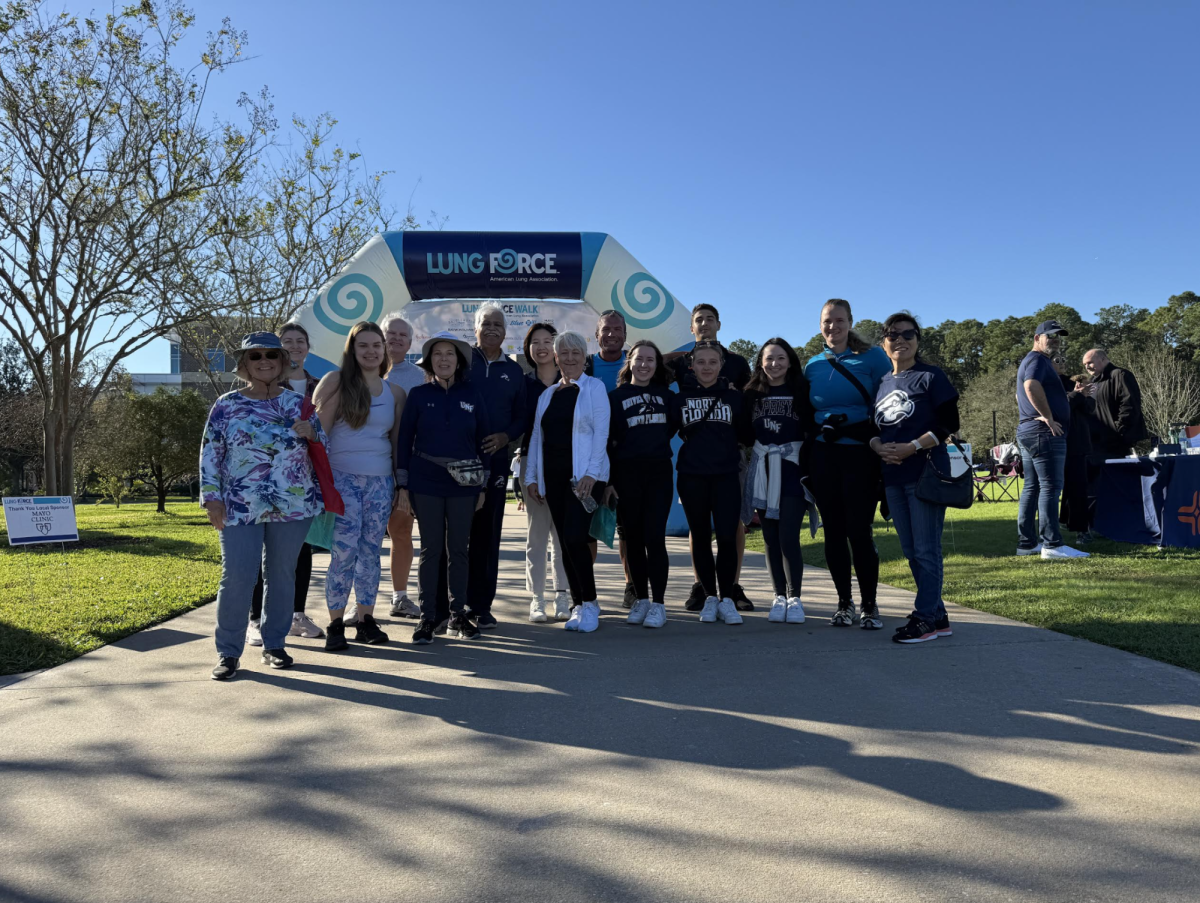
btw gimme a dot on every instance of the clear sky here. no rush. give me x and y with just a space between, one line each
957 159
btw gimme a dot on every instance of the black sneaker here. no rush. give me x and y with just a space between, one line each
486 622
846 615
740 602
423 635
440 627
695 599
335 636
942 626
870 617
915 631
631 597
227 666
368 631
277 658
461 628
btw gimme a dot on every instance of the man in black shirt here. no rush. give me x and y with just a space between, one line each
706 324
1118 406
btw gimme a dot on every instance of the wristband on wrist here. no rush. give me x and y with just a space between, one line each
917 445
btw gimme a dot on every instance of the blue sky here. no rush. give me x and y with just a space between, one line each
956 159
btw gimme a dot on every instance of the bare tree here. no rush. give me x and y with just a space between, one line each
106 170
1170 390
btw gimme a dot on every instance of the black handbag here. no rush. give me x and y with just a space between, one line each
939 488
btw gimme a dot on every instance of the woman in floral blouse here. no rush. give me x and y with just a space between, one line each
258 487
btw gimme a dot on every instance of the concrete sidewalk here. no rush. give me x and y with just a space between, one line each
699 762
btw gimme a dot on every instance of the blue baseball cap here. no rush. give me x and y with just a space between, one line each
259 341
1050 327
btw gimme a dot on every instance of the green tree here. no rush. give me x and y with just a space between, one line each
962 350
1006 342
166 429
1177 323
870 331
745 348
811 347
988 394
1119 326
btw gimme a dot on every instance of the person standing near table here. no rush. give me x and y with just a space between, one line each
568 468
406 375
260 493
1041 437
294 339
1073 514
916 410
705 327
843 379
1118 398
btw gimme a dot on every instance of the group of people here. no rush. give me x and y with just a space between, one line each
765 441
1069 424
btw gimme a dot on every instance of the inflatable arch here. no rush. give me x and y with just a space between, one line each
437 279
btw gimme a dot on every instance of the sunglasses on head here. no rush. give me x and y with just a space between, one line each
259 355
907 334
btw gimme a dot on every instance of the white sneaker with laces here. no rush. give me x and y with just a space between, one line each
1064 552
778 613
1034 551
656 616
589 618
302 625
795 610
253 636
404 607
573 621
562 606
537 611
637 614
727 612
350 616
708 614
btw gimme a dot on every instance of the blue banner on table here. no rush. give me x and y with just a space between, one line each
1153 501
493 264
1181 509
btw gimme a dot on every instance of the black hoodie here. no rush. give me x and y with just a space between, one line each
642 422
713 423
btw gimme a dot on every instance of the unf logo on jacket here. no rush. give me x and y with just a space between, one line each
467 406
644 409
695 409
894 407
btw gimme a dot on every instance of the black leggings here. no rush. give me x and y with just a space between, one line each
572 522
303 577
712 502
782 539
644 492
845 482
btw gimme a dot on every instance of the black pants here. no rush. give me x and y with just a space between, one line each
484 550
712 502
572 521
782 539
1073 513
445 525
845 481
644 492
303 578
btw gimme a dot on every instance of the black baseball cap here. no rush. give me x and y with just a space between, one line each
1050 327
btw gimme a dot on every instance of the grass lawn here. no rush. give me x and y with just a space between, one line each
131 568
1139 598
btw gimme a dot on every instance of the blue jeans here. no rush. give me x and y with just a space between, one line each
919 526
1043 458
273 546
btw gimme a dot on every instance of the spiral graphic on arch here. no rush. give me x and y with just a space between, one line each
505 262
351 299
645 302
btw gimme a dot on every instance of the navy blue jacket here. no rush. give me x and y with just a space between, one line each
502 384
446 423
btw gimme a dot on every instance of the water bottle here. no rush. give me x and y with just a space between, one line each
589 503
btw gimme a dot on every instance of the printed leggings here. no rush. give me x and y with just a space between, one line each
712 502
358 535
643 504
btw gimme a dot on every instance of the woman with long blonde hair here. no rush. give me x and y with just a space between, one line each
361 414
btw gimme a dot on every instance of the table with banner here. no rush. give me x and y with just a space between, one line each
1154 501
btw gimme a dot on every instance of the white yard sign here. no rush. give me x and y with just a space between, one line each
40 519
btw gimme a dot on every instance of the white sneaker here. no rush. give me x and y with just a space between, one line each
656 616
302 625
1064 552
253 635
589 618
708 614
1034 551
727 612
637 614
562 606
537 611
350 616
795 610
404 607
573 621
778 613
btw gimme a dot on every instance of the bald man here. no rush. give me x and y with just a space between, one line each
1119 423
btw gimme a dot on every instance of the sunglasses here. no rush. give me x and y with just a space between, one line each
259 355
907 334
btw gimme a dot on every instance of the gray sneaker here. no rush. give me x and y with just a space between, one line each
846 616
870 617
404 607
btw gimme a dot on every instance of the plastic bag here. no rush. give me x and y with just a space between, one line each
320 531
604 525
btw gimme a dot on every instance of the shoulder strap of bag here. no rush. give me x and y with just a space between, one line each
862 390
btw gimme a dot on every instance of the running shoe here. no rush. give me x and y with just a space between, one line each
253 634
368 632
738 595
656 616
404 607
631 598
335 636
778 612
227 666
562 605
915 631
423 635
589 618
795 610
846 615
708 614
461 628
277 659
870 617
637 614
537 611
302 625
942 626
727 612
696 598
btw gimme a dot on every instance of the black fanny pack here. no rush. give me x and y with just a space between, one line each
467 472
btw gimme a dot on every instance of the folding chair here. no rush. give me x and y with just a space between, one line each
1003 476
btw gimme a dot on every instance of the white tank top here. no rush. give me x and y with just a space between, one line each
366 451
